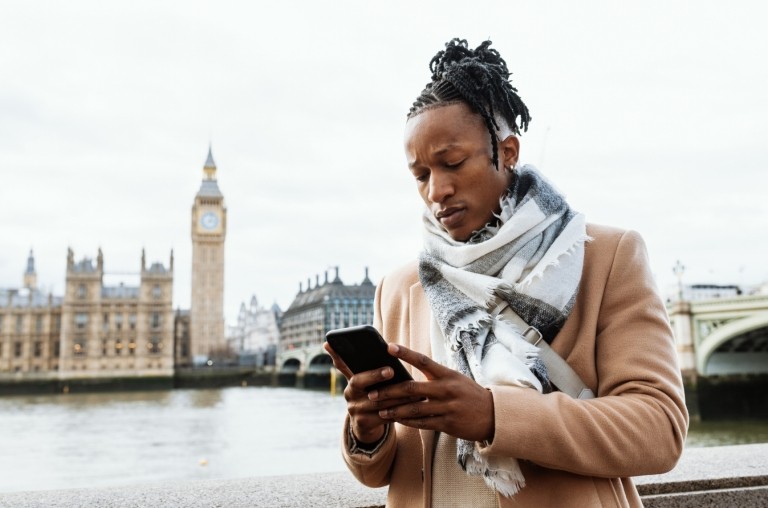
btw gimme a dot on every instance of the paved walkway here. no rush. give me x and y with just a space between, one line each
720 476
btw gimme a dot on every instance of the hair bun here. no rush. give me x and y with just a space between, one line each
457 52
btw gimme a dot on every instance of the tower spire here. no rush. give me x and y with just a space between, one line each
30 276
210 166
31 262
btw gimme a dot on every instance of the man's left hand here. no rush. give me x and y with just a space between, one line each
451 402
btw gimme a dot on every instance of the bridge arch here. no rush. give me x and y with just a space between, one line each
725 333
320 364
291 365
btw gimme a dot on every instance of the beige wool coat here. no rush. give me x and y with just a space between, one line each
578 453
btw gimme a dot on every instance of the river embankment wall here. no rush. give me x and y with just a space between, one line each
710 398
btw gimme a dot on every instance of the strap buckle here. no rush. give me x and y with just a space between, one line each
533 335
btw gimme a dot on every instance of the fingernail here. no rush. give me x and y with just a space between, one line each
386 372
373 395
385 413
395 348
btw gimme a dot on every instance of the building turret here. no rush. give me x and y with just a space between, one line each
337 279
366 280
30 276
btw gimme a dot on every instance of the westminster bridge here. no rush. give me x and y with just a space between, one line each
308 366
722 345
721 336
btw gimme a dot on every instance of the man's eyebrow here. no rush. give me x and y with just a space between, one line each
440 151
447 148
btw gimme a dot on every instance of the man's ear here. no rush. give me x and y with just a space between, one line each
509 150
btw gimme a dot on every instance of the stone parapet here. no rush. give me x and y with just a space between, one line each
725 476
720 476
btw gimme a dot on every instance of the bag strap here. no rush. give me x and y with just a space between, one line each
560 373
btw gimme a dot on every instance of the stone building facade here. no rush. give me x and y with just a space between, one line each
94 330
323 307
116 331
30 326
256 335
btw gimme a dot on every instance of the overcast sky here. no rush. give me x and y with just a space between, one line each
648 115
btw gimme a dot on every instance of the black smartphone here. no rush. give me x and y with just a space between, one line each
362 349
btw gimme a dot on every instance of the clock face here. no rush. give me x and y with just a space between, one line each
209 220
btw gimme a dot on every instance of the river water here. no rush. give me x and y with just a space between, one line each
109 439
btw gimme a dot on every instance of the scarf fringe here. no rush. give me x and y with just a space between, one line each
507 481
505 484
533 277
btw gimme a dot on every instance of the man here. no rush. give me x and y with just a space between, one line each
484 423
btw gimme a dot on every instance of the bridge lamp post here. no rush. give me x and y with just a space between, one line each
681 320
679 270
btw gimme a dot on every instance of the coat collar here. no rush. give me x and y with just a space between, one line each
420 314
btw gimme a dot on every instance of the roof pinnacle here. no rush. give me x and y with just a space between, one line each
209 161
210 167
30 262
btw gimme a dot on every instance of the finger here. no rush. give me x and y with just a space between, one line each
362 380
378 405
413 410
365 414
414 390
422 414
427 422
425 364
337 361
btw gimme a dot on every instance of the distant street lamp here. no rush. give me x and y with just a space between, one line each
679 270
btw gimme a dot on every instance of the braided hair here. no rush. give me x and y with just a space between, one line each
480 79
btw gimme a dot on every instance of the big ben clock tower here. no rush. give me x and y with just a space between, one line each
209 228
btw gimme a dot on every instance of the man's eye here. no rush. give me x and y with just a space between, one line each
453 164
422 178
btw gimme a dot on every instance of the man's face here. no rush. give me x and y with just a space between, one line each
449 153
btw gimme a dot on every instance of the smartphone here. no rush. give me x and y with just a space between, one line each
362 349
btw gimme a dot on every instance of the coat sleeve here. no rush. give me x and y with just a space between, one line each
372 470
638 423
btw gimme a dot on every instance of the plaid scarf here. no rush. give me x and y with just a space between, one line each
529 261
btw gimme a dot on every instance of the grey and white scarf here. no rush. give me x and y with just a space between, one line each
528 263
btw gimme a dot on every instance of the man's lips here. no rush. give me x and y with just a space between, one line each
450 216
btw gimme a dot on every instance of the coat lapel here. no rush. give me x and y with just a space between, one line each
419 314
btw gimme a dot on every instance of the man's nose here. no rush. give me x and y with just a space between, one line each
441 187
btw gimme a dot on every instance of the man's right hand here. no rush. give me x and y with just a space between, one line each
367 425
